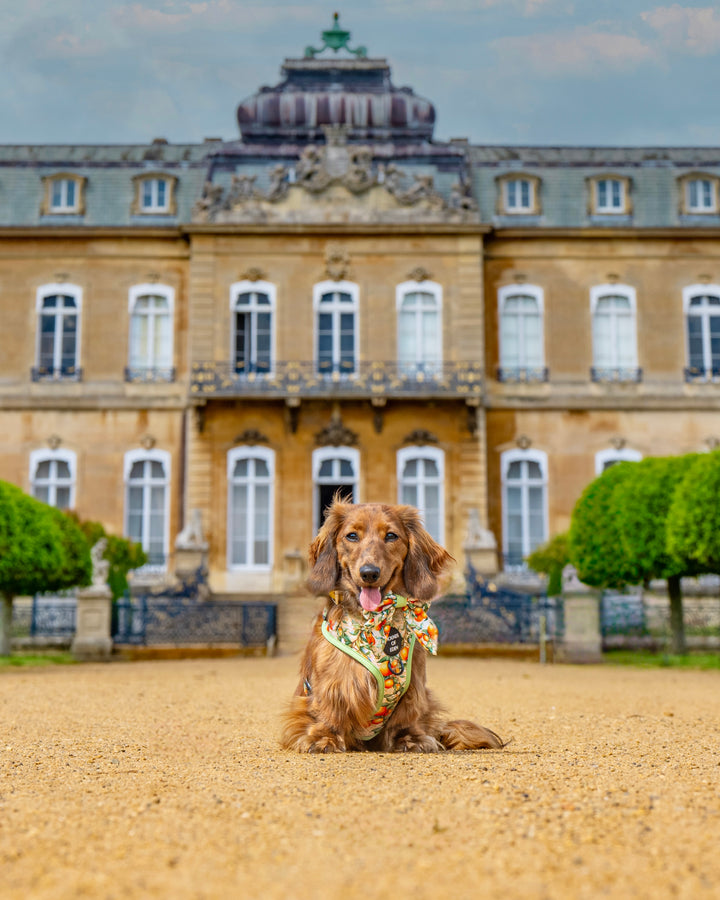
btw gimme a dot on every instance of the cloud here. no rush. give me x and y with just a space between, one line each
582 51
694 30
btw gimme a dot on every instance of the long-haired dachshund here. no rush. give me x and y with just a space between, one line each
362 679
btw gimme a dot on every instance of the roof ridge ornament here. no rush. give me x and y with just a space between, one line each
336 39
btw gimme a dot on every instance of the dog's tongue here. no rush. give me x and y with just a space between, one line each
370 598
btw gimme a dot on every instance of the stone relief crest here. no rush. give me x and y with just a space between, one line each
337 262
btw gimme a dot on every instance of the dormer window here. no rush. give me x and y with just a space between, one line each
610 195
63 195
699 194
155 195
519 195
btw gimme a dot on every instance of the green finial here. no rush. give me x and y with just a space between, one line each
336 39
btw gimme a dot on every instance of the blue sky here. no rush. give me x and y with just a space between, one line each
622 72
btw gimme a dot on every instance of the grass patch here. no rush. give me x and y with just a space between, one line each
49 658
649 659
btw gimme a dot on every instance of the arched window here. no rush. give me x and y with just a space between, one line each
524 492
150 353
702 317
336 340
252 305
520 316
604 459
250 474
419 325
58 336
421 479
335 470
52 477
612 308
147 502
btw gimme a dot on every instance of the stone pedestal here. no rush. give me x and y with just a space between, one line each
191 548
582 641
480 547
92 639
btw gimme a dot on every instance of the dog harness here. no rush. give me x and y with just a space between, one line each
383 641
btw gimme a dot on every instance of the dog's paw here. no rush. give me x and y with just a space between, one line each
327 743
417 743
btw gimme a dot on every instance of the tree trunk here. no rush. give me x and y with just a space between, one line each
6 605
677 625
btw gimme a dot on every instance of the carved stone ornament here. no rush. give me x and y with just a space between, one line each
54 441
252 436
147 441
618 442
712 442
420 436
254 273
100 566
419 273
523 441
337 262
336 434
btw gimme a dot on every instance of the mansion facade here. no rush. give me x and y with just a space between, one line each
335 301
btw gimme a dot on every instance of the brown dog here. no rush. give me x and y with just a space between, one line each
362 683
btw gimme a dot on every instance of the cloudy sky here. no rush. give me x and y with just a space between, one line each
498 71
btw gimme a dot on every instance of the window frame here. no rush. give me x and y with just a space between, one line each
506 292
267 454
686 207
138 207
437 455
164 458
689 293
48 208
599 292
321 455
519 455
254 287
65 289
57 455
610 454
402 290
137 292
595 207
336 287
502 204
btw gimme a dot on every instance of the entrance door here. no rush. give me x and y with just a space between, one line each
335 472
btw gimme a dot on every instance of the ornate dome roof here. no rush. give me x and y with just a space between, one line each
351 91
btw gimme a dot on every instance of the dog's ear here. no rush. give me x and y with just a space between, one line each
324 569
426 560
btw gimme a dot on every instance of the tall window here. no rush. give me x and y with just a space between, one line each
336 350
419 310
147 502
252 305
524 486
250 507
522 352
335 471
63 195
151 331
613 330
155 195
605 459
52 477
420 475
702 316
58 308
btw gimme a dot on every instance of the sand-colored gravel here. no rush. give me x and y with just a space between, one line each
163 779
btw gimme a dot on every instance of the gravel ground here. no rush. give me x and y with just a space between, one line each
164 779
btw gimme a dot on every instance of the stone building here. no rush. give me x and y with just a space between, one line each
337 301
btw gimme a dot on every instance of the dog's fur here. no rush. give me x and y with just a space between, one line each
343 693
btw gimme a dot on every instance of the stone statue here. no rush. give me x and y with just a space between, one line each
100 566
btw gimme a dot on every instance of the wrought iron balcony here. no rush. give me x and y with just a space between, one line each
56 373
522 374
149 374
616 375
462 380
702 373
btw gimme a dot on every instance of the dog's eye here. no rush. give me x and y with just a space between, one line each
390 537
352 536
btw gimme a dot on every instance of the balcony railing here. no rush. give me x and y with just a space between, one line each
149 374
522 374
370 379
616 375
56 373
702 373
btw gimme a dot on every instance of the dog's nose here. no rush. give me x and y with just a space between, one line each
369 574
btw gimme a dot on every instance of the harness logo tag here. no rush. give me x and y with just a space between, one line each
394 642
